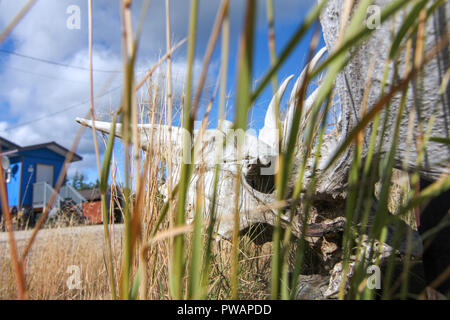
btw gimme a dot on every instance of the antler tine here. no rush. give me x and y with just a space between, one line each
308 104
99 125
266 134
312 64
306 108
291 104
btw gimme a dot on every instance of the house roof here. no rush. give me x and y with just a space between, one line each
91 194
53 146
7 145
12 148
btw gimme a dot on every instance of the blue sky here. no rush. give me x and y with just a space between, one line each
45 84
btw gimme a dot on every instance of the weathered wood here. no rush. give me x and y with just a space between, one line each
423 97
423 102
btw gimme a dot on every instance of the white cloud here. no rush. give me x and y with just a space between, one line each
35 90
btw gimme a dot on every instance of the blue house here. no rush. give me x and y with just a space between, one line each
34 172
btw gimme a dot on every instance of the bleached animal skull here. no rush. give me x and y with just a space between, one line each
257 159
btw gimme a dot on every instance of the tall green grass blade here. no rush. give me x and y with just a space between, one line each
276 260
178 261
128 95
305 214
366 197
442 140
289 48
163 213
103 188
411 23
195 274
381 214
135 286
408 23
243 103
435 189
223 87
107 157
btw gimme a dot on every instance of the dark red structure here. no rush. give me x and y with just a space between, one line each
93 211
92 208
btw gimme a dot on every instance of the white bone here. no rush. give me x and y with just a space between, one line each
287 125
268 133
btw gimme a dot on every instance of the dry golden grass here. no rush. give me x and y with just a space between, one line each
47 265
56 250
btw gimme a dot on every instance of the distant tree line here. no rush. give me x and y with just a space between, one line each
79 182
